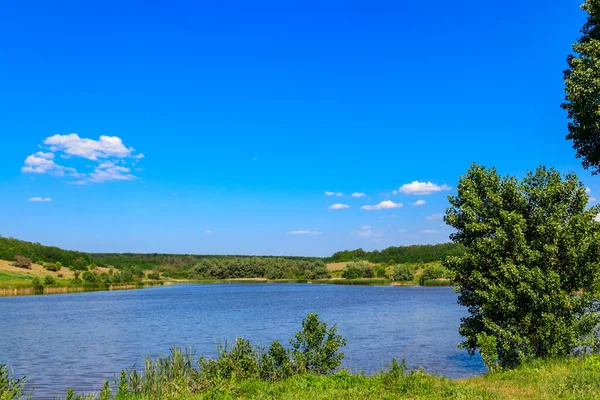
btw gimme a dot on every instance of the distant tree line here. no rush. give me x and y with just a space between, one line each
178 261
401 254
190 266
170 265
250 267
11 249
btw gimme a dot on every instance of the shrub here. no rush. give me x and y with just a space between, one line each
351 272
89 277
49 280
316 348
403 273
126 276
431 273
52 266
10 388
154 275
22 262
380 271
356 270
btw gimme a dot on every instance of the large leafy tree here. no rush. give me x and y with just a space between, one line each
582 89
531 270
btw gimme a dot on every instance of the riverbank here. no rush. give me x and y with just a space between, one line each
573 378
22 290
577 378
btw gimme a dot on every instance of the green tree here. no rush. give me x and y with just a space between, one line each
403 273
49 280
431 273
380 271
582 90
530 273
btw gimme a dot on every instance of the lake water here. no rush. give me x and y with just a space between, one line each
79 340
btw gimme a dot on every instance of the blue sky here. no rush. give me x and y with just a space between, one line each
225 123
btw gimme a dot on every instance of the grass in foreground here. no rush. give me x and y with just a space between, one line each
305 371
576 378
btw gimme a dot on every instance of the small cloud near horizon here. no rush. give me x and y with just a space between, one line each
304 232
384 205
358 195
418 203
422 188
367 231
40 199
338 206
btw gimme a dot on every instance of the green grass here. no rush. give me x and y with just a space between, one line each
14 279
574 378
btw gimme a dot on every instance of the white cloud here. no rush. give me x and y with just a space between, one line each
358 194
394 192
338 206
367 231
597 218
429 231
588 190
329 193
389 216
107 151
592 200
104 147
384 205
40 199
419 203
402 230
208 232
304 232
418 188
49 156
41 163
109 172
434 217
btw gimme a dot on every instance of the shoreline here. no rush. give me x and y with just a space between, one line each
47 290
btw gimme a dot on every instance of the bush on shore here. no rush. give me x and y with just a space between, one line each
22 262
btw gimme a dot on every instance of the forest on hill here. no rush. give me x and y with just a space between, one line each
10 247
401 254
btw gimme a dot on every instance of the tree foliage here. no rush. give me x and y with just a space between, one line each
316 347
531 270
582 90
400 254
22 262
403 272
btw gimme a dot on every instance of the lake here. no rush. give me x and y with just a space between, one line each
79 340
